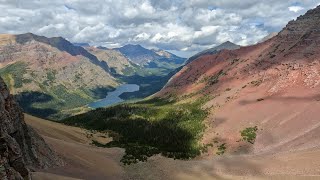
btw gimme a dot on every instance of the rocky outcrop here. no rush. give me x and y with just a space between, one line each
21 148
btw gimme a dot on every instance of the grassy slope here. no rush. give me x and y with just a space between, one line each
13 75
52 101
57 102
149 127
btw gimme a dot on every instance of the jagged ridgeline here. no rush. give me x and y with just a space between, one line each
21 148
52 78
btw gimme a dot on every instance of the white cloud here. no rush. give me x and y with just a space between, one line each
295 8
142 37
174 25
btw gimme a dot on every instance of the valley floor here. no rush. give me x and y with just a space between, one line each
88 162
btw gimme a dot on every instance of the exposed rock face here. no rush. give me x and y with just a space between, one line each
21 148
274 85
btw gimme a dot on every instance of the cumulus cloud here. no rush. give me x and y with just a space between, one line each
176 25
295 8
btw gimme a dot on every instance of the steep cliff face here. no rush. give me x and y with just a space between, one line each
21 148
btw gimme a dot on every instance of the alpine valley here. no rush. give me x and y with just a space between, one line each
59 79
228 112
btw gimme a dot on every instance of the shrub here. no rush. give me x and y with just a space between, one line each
221 149
215 78
256 83
249 134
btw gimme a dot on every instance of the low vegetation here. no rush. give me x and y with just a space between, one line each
249 134
221 149
149 127
13 75
215 78
257 82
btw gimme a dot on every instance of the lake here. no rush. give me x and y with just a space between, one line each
113 97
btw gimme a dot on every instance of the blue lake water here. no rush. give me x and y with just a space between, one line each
113 97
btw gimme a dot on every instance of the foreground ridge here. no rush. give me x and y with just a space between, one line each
21 148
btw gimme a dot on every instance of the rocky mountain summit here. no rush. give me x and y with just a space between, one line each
138 54
226 45
21 148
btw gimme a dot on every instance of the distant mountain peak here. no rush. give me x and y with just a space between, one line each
133 46
228 42
82 44
149 58
27 37
102 47
226 45
137 54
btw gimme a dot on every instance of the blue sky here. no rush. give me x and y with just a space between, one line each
180 26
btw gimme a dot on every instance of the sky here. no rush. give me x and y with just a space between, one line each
180 26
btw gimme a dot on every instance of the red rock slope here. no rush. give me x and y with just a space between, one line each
273 85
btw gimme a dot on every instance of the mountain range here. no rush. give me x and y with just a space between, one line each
59 78
249 112
254 100
151 58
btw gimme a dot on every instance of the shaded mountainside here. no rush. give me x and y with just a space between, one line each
82 44
153 59
273 86
117 62
55 76
226 45
21 148
138 54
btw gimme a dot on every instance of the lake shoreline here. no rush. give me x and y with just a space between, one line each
113 97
